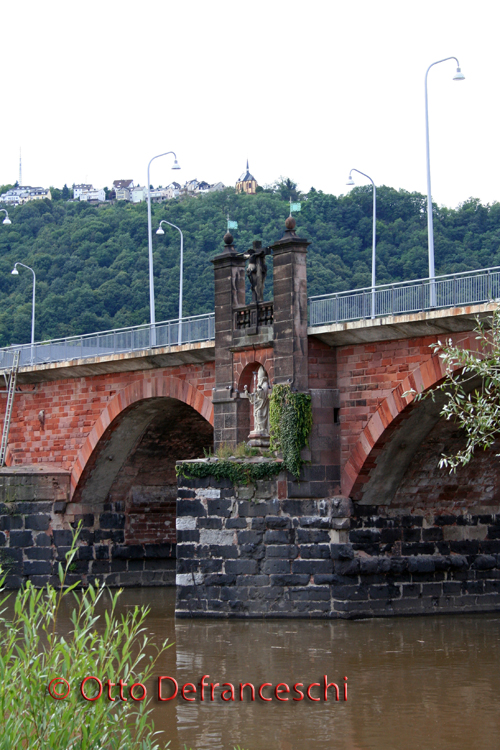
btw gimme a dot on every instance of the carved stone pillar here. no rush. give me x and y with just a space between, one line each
229 271
290 309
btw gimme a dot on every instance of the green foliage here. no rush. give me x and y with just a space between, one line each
32 653
472 390
290 418
91 261
237 473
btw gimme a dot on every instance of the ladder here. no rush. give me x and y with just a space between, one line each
11 380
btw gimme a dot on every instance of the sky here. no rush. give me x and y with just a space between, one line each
306 90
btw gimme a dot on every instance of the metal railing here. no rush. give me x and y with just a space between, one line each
453 290
193 329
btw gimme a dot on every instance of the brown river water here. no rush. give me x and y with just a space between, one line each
417 683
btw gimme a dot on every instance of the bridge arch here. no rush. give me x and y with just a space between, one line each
385 420
156 387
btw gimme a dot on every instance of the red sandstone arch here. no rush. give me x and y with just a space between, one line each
153 387
425 376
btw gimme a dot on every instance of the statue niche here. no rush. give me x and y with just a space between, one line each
259 437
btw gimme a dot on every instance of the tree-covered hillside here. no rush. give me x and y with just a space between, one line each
91 262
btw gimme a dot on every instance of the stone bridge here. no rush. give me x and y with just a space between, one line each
96 440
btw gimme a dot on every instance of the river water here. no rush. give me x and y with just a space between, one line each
414 683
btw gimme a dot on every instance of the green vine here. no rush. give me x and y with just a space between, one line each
290 418
237 473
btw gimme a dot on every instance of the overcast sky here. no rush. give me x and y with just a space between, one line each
92 91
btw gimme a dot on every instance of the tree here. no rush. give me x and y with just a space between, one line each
286 188
65 193
472 388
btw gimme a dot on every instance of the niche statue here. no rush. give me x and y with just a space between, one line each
259 437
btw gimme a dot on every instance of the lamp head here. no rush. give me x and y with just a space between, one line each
15 272
350 181
160 230
6 220
176 164
459 76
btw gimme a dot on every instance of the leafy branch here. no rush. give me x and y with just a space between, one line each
476 409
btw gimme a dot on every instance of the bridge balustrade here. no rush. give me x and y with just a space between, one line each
452 290
136 338
406 297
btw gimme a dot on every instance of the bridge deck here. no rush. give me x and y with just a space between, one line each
390 328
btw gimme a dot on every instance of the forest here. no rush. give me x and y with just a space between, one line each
91 261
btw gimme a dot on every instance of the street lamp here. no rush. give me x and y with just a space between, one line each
15 272
350 181
6 220
152 341
459 76
160 231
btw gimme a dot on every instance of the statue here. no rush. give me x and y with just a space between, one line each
257 270
259 399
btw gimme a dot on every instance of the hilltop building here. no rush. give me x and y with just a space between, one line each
123 189
79 190
138 194
93 195
247 183
19 195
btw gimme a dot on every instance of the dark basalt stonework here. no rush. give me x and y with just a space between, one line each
254 552
36 525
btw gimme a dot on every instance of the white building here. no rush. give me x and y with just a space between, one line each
139 194
18 196
216 187
158 195
173 190
93 195
79 189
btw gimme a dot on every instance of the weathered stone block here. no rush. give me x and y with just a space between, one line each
241 567
21 539
312 567
222 537
40 567
39 553
284 551
236 523
210 522
277 536
190 508
11 522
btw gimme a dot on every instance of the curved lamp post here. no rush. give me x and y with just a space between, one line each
6 220
160 231
350 181
152 341
459 76
15 272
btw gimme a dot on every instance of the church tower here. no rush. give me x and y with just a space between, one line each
247 183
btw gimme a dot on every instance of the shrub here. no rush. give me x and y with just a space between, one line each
32 653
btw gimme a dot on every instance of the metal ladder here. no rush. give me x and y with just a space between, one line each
11 379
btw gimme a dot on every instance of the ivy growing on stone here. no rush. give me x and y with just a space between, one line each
290 417
237 472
